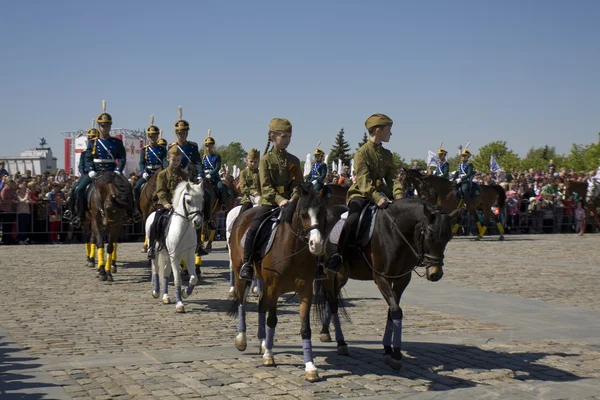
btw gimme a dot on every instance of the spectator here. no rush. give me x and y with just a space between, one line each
3 172
579 217
23 214
8 218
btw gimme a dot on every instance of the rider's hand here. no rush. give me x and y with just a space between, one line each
117 172
283 203
458 180
145 175
168 206
314 182
383 202
207 172
92 174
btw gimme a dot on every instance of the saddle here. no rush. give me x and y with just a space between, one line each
162 226
364 230
263 241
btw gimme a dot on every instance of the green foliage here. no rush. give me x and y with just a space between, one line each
233 154
420 163
340 149
583 157
399 161
453 162
505 157
539 158
364 140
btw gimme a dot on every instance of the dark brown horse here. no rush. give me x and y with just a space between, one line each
148 202
216 206
408 234
288 267
108 210
440 191
591 204
334 194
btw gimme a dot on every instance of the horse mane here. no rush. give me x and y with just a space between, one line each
308 198
179 190
440 229
108 178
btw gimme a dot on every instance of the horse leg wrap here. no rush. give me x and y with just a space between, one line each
339 335
114 253
146 240
88 250
211 236
389 332
307 351
92 250
259 286
231 280
198 260
326 317
500 228
242 319
270 336
165 285
189 289
109 259
455 228
397 340
483 229
479 228
178 294
101 259
155 283
203 237
262 318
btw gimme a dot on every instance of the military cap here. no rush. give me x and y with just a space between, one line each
253 153
209 140
161 142
174 150
280 125
441 150
319 152
104 117
378 120
181 124
466 153
152 129
92 133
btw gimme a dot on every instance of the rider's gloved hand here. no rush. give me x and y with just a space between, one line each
117 172
207 172
314 182
145 175
92 174
458 180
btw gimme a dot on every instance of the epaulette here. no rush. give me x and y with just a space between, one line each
146 146
171 145
116 138
193 143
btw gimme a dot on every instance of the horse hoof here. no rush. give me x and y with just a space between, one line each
180 308
91 263
478 238
312 376
240 341
392 362
232 291
343 351
166 299
156 295
109 276
145 249
209 247
102 277
501 237
113 268
268 361
325 337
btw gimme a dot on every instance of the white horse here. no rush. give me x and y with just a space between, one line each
230 221
186 217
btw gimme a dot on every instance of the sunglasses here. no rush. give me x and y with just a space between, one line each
105 124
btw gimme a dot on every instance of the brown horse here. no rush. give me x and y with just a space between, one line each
440 191
108 209
148 202
590 205
334 194
408 234
288 267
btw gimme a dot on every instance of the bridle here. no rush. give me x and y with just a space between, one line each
187 214
301 233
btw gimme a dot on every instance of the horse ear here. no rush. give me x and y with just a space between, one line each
428 214
188 186
455 214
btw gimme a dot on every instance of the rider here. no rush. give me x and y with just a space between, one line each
277 183
92 133
318 172
192 160
152 158
376 181
166 182
464 174
249 181
443 168
212 167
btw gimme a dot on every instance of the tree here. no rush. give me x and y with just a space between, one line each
340 149
420 163
364 140
399 161
505 157
232 154
583 158
540 157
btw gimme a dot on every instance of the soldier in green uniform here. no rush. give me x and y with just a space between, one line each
372 164
166 182
278 186
464 175
443 168
250 181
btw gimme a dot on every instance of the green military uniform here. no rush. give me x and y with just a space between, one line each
276 181
166 182
249 184
373 164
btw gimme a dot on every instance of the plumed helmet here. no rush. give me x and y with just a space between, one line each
104 117
441 150
209 140
152 129
92 133
466 153
319 152
161 142
181 124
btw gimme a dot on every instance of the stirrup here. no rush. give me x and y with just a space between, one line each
76 222
335 262
211 225
247 271
68 215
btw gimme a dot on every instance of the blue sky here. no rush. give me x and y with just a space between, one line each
455 71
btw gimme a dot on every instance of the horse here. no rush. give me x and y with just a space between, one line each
410 233
289 266
185 218
334 194
108 211
148 201
440 191
591 204
216 206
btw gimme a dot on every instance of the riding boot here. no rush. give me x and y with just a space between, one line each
76 222
200 250
334 262
152 237
207 217
247 270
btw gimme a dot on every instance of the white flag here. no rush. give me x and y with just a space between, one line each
307 164
494 167
432 159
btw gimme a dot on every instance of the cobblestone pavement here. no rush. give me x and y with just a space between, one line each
64 334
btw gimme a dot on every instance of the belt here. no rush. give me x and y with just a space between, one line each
101 160
153 166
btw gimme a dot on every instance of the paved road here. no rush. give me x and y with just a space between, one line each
514 319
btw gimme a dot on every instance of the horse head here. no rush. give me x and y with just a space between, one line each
434 233
311 216
188 201
111 204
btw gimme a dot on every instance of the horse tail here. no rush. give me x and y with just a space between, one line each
501 196
239 299
320 300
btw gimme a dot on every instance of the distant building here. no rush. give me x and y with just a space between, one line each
38 160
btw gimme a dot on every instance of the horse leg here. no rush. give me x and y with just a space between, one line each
113 265
109 255
241 291
193 278
489 214
262 320
155 279
311 373
394 358
198 259
179 307
324 335
480 228
165 266
268 359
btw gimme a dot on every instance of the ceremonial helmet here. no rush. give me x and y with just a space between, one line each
181 124
93 133
104 117
441 150
466 151
161 142
319 152
209 139
152 129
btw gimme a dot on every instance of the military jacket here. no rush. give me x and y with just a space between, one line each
376 174
212 162
152 157
443 170
249 184
276 181
106 155
166 182
191 157
465 171
82 167
318 172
